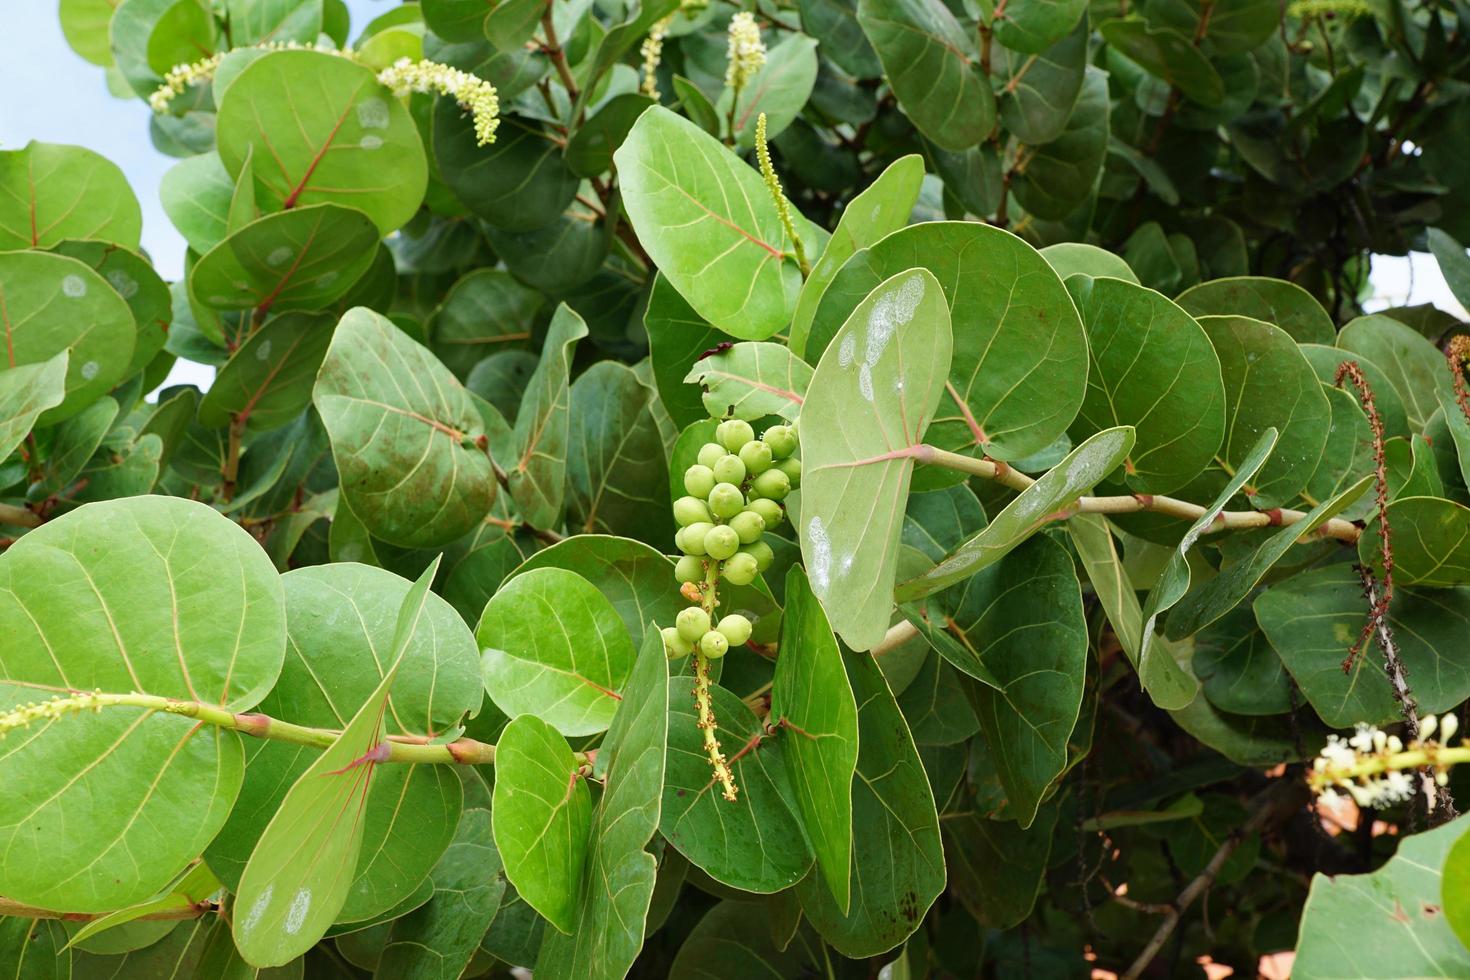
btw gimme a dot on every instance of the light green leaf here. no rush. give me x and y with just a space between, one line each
543 813
85 23
351 143
293 887
194 886
553 647
260 21
897 866
780 89
268 381
1078 258
386 402
810 690
1275 301
867 408
1413 366
751 381
708 222
1037 505
1431 542
50 192
25 392
538 478
158 595
195 194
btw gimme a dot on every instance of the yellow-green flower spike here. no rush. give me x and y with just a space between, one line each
475 95
773 184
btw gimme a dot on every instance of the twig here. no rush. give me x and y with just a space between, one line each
19 516
21 910
1378 605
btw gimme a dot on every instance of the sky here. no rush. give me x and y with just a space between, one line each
52 94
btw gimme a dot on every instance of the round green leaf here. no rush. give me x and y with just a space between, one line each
484 312
1031 26
85 24
1167 55
1414 367
519 183
1060 175
1274 301
145 292
1042 88
50 192
1078 258
1431 542
268 381
1326 360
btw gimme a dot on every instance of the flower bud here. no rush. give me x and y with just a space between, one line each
725 501
692 623
699 480
721 542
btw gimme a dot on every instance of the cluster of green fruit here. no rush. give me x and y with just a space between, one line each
734 496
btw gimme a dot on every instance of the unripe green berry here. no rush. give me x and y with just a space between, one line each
730 470
690 510
771 512
689 569
772 484
781 439
710 453
713 644
721 542
736 629
791 466
748 525
699 480
762 554
756 456
725 501
740 568
675 645
734 433
692 623
691 538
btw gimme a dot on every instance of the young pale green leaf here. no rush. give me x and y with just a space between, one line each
1274 301
751 381
1084 468
53 303
897 866
1431 542
25 392
1203 605
405 435
1412 365
931 63
1153 368
300 873
1167 684
194 886
616 468
883 207
1391 922
302 259
352 143
1019 370
755 843
554 647
810 693
618 880
157 595
543 813
195 194
538 477
866 411
708 222
50 192
268 381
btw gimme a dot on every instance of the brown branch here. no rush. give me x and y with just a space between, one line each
1377 621
19 516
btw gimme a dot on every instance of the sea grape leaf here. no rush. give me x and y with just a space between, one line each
1040 503
780 89
810 691
52 192
677 336
897 866
1274 301
1041 87
537 480
269 379
1168 55
25 392
1080 259
158 595
405 435
733 941
1413 366
1238 668
1061 174
553 646
618 880
708 222
866 411
996 867
293 887
351 143
751 381
145 292
484 312
543 814
1431 542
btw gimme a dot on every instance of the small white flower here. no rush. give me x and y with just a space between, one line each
747 52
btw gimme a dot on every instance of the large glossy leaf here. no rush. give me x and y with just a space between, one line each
867 408
1314 618
294 885
897 866
708 222
351 143
932 64
1060 175
780 89
484 312
811 692
538 476
157 595
302 259
1040 503
1169 56
616 469
1153 368
617 884
518 184
543 814
1386 924
553 647
1431 542
1274 301
53 303
50 192
883 207
1020 351
1041 88
1413 366
751 381
754 843
145 292
405 435
268 381
341 620
25 392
